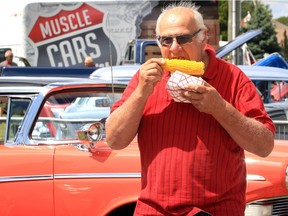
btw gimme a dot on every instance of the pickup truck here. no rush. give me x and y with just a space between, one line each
140 50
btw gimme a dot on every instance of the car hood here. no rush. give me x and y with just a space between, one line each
122 73
237 42
273 60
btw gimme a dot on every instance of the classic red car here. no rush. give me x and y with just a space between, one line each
56 173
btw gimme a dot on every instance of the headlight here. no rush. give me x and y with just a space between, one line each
258 210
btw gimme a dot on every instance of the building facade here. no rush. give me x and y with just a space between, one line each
209 9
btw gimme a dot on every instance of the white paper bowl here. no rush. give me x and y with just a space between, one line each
178 81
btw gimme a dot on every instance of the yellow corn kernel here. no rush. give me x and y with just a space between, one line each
184 66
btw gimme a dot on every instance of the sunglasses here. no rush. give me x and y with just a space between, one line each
167 41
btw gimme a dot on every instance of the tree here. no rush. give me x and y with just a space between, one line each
223 19
246 5
267 41
261 17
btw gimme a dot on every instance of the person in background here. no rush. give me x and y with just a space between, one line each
8 60
192 154
88 62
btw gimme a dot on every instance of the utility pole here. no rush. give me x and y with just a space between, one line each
234 19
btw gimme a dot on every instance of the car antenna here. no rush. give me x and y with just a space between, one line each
110 56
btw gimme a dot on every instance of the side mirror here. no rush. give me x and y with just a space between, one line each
90 134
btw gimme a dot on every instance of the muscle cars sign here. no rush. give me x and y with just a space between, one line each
63 34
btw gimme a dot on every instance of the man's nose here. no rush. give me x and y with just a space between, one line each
175 45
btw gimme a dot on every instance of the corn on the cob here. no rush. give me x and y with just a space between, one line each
184 66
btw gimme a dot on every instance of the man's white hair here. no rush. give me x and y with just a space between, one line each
8 53
194 9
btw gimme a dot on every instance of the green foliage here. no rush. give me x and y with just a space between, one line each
246 5
223 19
283 20
261 17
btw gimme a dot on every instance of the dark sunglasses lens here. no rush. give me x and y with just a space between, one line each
166 41
183 39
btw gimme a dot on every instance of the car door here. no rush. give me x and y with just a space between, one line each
26 180
93 184
26 171
85 182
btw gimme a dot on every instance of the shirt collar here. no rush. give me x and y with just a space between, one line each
211 71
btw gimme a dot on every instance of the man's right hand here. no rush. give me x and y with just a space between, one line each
150 74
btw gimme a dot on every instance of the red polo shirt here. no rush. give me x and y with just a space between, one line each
189 162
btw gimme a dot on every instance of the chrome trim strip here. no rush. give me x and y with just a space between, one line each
92 175
251 177
25 178
97 175
68 176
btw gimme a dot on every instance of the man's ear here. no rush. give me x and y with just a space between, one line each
205 36
204 39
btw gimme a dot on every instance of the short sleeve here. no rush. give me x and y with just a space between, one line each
249 102
127 92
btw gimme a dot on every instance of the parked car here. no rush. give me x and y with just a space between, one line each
45 169
265 78
271 82
87 107
64 170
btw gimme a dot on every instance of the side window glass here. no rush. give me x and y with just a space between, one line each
129 55
152 51
12 112
17 112
3 117
263 89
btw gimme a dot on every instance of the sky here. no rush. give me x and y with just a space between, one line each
279 7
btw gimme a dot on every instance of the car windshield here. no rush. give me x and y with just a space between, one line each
62 115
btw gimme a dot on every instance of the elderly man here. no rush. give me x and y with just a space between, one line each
192 154
8 60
